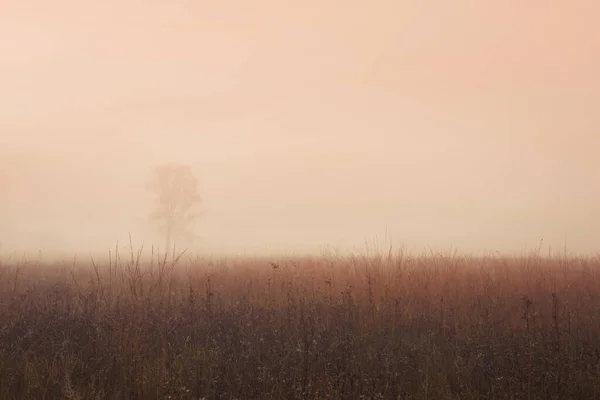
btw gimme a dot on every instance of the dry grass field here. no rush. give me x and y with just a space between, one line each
356 327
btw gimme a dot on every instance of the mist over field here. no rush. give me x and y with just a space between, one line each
407 194
460 124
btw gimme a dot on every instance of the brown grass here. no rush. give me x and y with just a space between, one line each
431 327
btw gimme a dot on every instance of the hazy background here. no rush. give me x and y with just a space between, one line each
467 123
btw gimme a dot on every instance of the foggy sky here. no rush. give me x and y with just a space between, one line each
317 123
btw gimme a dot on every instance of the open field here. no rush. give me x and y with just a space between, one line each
381 326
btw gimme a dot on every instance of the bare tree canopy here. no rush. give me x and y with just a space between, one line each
176 202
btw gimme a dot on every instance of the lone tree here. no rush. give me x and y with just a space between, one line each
176 191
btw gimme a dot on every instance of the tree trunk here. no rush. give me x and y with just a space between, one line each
168 237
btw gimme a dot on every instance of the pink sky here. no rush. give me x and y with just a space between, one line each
465 123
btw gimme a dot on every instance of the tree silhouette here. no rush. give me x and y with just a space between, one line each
176 191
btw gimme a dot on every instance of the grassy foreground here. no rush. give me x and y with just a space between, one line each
376 327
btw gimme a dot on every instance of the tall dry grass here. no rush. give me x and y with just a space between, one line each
388 327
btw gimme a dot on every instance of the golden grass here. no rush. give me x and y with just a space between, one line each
431 327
